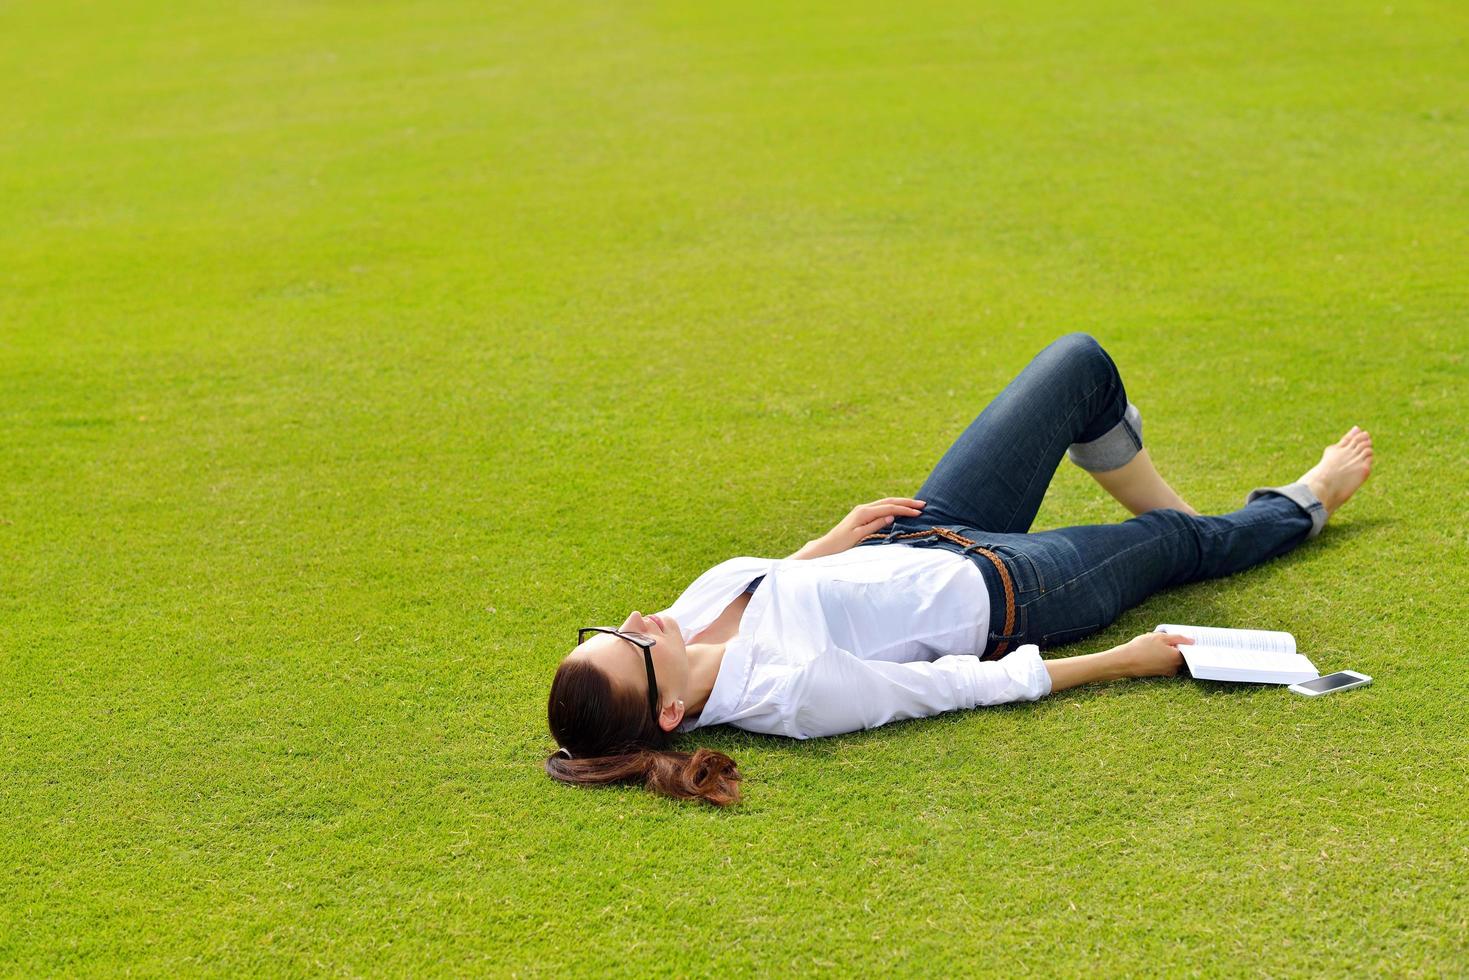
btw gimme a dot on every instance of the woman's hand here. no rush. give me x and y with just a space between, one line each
1149 655
862 521
1152 655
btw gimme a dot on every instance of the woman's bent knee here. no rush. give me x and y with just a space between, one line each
1078 340
1077 362
1081 349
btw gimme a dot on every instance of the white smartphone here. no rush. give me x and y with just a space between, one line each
1342 680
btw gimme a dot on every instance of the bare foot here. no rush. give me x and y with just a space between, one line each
1343 468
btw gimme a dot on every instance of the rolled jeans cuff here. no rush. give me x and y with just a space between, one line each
1303 497
1114 448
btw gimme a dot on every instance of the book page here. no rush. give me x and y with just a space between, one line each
1222 638
1253 661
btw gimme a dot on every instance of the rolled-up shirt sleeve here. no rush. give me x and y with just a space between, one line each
837 692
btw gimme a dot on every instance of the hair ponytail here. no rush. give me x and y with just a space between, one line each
608 737
705 775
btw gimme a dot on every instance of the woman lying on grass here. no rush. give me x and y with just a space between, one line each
912 607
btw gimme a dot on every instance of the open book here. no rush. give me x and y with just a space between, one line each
1251 656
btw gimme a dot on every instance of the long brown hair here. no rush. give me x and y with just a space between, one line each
608 736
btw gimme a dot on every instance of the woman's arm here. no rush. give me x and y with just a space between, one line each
838 692
862 521
1149 655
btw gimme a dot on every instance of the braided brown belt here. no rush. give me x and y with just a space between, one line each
948 535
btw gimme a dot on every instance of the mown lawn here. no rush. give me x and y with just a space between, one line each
352 355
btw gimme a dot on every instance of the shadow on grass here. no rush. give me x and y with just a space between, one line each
1337 534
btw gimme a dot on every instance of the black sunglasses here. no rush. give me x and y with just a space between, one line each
643 642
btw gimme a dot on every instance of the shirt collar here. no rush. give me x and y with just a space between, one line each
729 686
712 592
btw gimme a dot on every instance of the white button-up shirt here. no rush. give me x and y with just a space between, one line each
854 640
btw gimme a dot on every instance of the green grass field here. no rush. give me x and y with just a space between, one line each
352 355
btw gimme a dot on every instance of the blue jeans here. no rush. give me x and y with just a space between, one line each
1073 581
